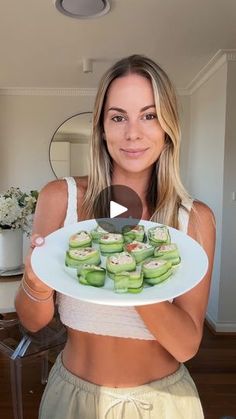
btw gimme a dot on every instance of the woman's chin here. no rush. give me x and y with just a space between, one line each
136 167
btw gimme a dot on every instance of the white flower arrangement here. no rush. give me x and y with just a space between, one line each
17 209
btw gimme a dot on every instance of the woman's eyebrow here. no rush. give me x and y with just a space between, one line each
124 111
147 107
117 110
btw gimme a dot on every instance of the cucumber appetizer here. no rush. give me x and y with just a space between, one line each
80 239
97 233
111 243
128 282
92 275
158 235
131 233
120 262
168 252
156 258
77 257
140 251
156 271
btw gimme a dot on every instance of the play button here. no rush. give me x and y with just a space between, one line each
117 206
116 209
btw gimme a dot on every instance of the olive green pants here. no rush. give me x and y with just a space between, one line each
69 397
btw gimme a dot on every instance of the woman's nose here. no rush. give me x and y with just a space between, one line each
133 131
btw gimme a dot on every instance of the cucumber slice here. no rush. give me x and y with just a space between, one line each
111 243
158 279
154 268
131 233
97 233
140 251
128 281
120 262
96 278
168 252
80 239
107 249
77 257
158 235
92 275
135 290
83 281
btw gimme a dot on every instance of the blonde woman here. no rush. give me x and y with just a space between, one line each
125 362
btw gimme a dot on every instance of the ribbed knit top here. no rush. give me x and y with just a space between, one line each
100 319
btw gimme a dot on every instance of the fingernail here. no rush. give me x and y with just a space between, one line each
39 241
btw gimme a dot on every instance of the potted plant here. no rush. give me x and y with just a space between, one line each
16 216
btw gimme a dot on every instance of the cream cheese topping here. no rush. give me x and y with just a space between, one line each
82 252
121 259
78 237
160 234
112 237
155 263
167 247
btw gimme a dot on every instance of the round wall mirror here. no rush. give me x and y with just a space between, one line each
69 147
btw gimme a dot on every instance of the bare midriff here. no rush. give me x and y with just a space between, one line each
116 362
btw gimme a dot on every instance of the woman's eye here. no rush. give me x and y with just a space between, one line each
150 116
118 118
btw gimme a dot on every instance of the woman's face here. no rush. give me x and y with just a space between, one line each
135 138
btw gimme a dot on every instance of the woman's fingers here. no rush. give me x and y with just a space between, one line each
36 240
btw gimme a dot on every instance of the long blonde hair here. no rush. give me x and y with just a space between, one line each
166 192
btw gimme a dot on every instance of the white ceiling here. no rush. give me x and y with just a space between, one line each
40 47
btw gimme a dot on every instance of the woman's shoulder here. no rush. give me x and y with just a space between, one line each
54 188
51 207
202 220
56 191
59 186
202 210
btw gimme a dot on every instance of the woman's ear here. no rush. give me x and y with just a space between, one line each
104 136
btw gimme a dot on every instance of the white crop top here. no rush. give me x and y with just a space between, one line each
100 319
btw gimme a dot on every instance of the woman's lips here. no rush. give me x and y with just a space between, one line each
134 152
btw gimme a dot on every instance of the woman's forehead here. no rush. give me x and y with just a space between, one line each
130 89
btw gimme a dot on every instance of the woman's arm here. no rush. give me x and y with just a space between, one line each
49 216
178 327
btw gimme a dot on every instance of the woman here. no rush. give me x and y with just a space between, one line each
125 362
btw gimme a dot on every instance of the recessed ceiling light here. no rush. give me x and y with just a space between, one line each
83 9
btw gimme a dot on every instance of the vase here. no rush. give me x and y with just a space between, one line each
11 249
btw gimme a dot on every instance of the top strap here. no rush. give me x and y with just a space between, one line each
184 213
71 213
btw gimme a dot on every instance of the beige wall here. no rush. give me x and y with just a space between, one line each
206 159
227 306
212 179
27 124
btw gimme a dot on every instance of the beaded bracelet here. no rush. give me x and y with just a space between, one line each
32 297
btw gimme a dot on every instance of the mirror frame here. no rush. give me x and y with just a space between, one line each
50 144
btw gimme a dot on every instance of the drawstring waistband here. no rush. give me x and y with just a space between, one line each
119 398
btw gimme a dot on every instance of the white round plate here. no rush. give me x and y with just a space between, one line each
48 262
